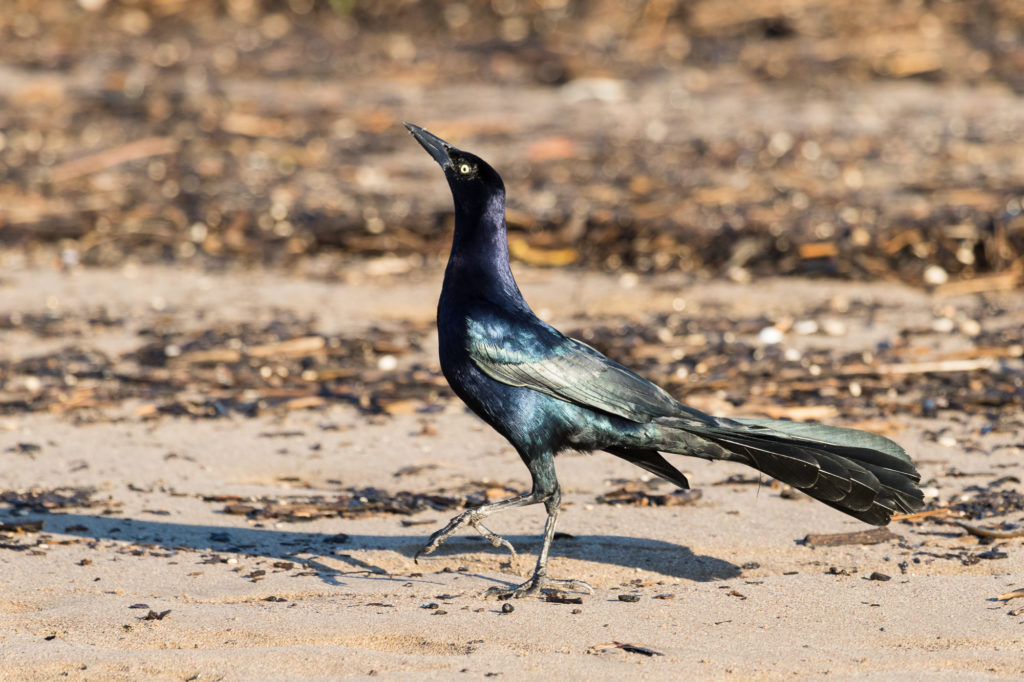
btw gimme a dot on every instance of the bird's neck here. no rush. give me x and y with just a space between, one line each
479 262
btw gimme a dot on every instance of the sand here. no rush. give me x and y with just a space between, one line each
726 587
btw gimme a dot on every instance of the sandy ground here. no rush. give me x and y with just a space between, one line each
726 589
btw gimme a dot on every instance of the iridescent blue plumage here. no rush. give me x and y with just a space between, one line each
546 392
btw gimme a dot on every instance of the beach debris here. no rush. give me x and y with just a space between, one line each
624 646
1009 530
21 526
248 369
1013 594
559 597
635 495
977 503
873 536
741 479
42 500
25 448
154 615
354 502
413 469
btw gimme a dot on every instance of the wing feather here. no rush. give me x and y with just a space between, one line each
569 370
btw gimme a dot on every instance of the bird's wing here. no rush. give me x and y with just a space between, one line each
539 357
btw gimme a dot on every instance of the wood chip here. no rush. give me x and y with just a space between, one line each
818 250
212 356
1007 596
983 532
938 367
873 536
304 403
21 527
1003 281
944 511
799 413
520 249
94 163
556 597
625 646
292 348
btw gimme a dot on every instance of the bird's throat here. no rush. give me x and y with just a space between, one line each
479 260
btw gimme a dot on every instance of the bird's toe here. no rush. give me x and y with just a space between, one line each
492 537
534 585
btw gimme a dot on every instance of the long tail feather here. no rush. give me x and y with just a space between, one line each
862 474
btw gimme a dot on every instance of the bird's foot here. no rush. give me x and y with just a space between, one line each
535 584
471 518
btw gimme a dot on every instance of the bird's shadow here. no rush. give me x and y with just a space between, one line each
310 550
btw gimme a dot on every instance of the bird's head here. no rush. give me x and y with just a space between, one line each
469 176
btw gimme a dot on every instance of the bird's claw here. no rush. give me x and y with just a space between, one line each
467 517
495 539
535 584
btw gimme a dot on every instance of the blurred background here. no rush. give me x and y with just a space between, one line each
877 139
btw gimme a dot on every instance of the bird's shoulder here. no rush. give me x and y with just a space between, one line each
512 335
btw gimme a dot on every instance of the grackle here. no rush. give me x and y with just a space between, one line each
546 393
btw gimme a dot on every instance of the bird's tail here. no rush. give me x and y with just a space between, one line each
862 474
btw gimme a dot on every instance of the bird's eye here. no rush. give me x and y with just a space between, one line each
465 169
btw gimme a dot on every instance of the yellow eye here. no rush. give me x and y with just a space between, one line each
465 169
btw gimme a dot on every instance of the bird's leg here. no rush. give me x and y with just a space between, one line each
474 517
540 580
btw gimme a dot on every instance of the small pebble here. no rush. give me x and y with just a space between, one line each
769 336
805 327
835 327
935 275
629 597
970 327
875 575
507 608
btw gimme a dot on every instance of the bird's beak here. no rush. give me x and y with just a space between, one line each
435 146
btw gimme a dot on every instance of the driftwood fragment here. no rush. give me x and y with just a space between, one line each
873 536
108 158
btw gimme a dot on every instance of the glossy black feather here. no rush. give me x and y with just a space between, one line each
546 392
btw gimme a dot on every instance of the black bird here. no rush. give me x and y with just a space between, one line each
546 393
